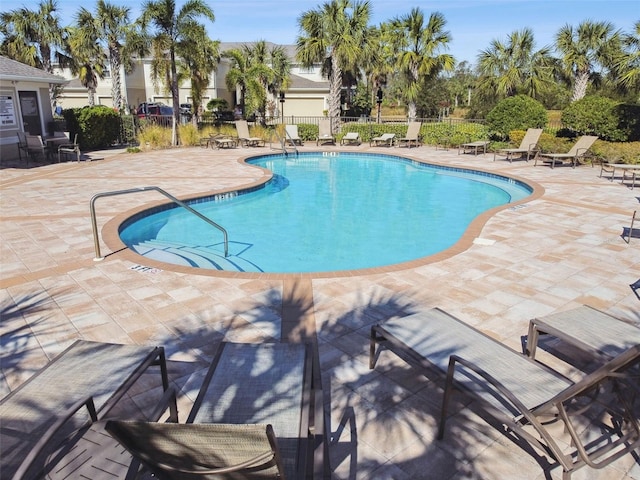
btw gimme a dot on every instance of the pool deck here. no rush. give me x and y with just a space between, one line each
560 250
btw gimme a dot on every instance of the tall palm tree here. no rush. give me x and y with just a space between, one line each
88 59
627 65
34 37
172 26
507 69
419 45
335 35
245 75
584 49
112 26
200 56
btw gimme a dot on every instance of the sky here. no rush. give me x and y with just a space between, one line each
473 24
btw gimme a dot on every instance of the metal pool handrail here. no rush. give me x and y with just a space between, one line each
94 223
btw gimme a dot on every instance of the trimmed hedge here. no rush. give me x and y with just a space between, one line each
97 127
516 113
606 118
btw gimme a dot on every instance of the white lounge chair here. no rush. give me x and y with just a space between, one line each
291 134
386 139
413 135
577 152
324 133
528 146
351 138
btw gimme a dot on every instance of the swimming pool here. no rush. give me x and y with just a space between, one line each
325 212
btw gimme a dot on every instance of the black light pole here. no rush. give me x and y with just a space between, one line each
282 106
379 101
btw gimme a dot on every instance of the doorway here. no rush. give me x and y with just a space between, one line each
30 111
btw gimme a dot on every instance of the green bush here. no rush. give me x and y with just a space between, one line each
516 113
97 127
606 118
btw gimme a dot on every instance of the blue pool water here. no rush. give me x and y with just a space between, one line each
322 213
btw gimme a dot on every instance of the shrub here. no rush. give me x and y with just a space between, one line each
516 113
97 127
594 115
189 135
154 136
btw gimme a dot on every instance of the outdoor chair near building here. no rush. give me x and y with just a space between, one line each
37 147
324 133
22 145
412 136
245 139
70 148
529 400
351 138
577 153
386 139
528 146
292 136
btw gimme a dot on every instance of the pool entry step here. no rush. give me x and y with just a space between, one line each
199 257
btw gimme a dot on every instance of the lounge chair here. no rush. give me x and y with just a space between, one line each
528 146
386 139
324 133
259 410
351 138
523 395
577 152
413 135
38 414
291 135
71 148
245 139
588 329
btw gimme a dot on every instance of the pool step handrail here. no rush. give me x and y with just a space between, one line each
283 143
94 223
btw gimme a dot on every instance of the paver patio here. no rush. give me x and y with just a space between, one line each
560 250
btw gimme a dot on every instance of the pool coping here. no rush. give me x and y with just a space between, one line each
111 238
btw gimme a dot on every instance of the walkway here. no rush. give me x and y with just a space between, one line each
552 253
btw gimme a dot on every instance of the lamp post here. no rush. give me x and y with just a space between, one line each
282 106
379 101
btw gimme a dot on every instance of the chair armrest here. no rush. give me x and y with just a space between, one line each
51 431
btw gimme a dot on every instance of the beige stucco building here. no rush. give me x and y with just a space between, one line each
24 103
307 95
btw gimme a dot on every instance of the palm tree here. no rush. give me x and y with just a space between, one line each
584 49
627 65
507 69
200 56
88 59
245 75
418 47
34 37
111 25
335 35
172 27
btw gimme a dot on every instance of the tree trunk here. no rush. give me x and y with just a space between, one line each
91 96
580 87
335 89
116 81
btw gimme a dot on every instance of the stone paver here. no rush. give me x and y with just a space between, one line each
554 252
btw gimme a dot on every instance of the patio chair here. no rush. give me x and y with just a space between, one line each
173 451
36 147
291 135
413 135
350 138
528 146
324 133
524 396
577 152
245 139
258 413
22 145
386 139
43 415
71 148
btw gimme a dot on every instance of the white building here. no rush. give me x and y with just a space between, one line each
307 95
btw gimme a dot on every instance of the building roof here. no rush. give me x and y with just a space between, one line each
13 70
